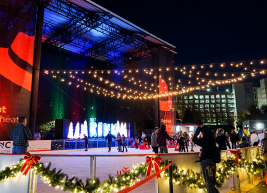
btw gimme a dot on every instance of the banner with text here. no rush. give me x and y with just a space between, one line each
16 63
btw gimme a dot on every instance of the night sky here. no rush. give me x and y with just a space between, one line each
203 32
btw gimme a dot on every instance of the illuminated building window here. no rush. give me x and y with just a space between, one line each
196 106
201 110
218 105
207 101
223 96
201 106
185 97
211 105
186 101
212 101
201 96
190 101
195 96
217 96
190 96
212 96
201 101
207 106
196 101
223 101
223 105
207 97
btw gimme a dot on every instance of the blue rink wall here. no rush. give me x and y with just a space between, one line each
80 144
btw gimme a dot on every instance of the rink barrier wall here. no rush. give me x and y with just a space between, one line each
182 160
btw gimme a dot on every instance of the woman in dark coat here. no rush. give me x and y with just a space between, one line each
221 140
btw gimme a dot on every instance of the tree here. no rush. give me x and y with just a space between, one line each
254 113
197 116
264 108
242 115
188 117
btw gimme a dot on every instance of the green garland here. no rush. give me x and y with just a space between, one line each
190 178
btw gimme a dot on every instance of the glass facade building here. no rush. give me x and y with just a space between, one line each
213 108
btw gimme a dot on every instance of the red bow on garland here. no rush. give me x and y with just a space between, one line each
238 154
29 161
126 170
155 161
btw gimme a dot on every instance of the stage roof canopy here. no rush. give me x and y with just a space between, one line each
86 28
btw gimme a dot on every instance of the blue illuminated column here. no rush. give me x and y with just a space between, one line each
106 128
113 129
100 129
93 127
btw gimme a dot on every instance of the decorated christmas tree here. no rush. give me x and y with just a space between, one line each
70 132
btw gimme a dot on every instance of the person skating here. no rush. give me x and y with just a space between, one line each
162 138
109 138
154 140
182 143
136 141
124 143
86 142
119 140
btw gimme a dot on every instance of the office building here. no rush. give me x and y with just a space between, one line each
215 108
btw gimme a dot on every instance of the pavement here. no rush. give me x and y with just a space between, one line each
258 186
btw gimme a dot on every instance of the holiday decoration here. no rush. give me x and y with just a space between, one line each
155 161
29 160
187 177
238 155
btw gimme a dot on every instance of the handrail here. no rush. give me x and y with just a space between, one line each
119 155
144 181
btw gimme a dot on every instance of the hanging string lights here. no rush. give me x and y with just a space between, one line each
142 89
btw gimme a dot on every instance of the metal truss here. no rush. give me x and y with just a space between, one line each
81 21
12 12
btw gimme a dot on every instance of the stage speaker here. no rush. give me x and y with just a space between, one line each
61 129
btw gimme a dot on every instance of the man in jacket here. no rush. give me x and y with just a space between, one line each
221 140
154 140
20 136
162 136
109 138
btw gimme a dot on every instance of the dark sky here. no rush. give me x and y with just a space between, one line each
202 31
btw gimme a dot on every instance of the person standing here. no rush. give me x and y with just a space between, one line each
244 143
207 142
109 138
254 139
186 141
221 140
124 143
162 137
234 138
261 136
86 142
191 142
20 136
119 140
181 143
264 151
154 140
136 142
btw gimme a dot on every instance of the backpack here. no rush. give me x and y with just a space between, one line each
216 154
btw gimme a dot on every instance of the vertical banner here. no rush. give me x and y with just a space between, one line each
165 106
16 61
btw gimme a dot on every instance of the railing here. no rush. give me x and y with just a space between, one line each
183 160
